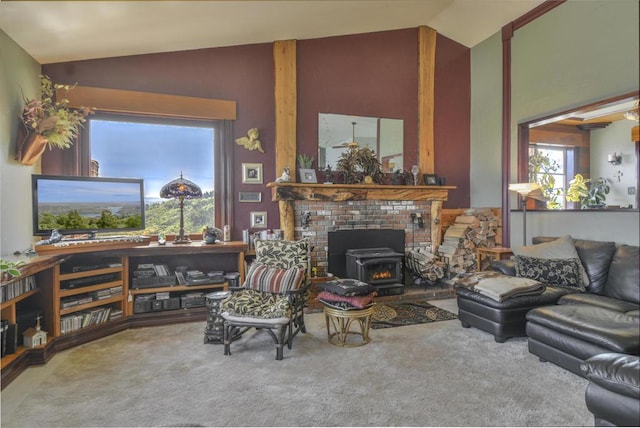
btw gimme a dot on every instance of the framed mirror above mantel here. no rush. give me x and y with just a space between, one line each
593 140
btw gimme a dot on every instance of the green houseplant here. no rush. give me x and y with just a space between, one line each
541 169
47 122
9 269
590 194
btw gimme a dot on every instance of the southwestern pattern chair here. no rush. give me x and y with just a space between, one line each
273 295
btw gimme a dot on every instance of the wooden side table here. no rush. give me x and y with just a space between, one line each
492 252
339 325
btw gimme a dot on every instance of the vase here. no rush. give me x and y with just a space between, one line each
30 147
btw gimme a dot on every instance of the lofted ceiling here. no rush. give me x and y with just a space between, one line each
59 31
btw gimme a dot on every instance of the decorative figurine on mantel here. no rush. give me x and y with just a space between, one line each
328 175
415 170
285 177
33 337
251 142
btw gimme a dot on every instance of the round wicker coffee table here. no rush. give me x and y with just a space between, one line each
340 322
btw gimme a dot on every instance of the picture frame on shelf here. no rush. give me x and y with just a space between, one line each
430 179
308 175
250 196
259 219
252 173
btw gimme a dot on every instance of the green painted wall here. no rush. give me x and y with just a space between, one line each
580 52
19 73
486 122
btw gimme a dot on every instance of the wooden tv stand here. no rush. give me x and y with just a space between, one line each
86 295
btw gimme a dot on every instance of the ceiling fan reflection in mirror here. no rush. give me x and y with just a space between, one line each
351 143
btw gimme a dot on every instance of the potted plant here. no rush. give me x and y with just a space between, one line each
47 122
9 269
541 169
590 194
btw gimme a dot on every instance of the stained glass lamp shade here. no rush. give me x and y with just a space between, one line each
181 189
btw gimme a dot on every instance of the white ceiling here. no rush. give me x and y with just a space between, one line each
59 31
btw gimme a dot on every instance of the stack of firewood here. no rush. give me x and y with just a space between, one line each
477 227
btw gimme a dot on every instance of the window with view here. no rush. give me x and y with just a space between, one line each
158 151
549 166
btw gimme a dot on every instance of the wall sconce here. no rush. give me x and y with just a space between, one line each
614 159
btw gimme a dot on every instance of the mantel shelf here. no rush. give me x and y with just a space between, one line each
356 192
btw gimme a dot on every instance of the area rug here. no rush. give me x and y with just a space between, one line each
396 314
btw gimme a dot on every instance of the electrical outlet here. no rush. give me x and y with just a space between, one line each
631 190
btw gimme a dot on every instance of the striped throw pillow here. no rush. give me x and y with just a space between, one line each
274 280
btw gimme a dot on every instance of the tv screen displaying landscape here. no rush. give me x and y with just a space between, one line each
87 204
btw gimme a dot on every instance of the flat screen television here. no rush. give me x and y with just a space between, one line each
79 205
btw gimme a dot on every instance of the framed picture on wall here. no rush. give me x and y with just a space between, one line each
250 197
259 219
252 173
308 175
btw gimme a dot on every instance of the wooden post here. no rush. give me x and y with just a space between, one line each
285 87
287 219
426 89
436 231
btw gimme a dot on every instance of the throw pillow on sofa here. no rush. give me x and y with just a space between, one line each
561 248
558 272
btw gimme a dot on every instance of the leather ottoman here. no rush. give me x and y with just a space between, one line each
504 319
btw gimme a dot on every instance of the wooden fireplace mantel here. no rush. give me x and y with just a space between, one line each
287 193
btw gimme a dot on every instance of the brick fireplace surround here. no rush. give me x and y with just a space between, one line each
345 207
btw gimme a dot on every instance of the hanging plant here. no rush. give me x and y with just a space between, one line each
48 122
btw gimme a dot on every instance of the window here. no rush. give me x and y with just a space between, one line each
550 165
158 150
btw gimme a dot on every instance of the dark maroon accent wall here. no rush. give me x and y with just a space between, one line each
244 74
373 74
452 128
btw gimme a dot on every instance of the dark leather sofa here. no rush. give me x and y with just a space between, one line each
613 393
595 334
507 319
602 320
563 326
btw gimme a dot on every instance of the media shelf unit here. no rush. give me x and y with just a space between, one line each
85 286
39 268
63 277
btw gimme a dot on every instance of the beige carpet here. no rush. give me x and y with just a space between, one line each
436 374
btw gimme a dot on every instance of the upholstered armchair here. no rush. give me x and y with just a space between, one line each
273 295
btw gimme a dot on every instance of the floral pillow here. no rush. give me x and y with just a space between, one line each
557 272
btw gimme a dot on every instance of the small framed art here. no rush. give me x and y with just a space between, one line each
259 219
308 175
252 173
431 179
250 197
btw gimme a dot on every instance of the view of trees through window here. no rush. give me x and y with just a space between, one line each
548 167
158 153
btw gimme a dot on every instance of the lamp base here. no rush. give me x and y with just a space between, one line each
182 240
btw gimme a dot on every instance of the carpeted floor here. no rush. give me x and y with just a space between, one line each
397 314
434 374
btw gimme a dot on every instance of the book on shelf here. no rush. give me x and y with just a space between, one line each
18 287
181 279
161 270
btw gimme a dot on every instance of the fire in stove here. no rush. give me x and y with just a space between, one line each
375 276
